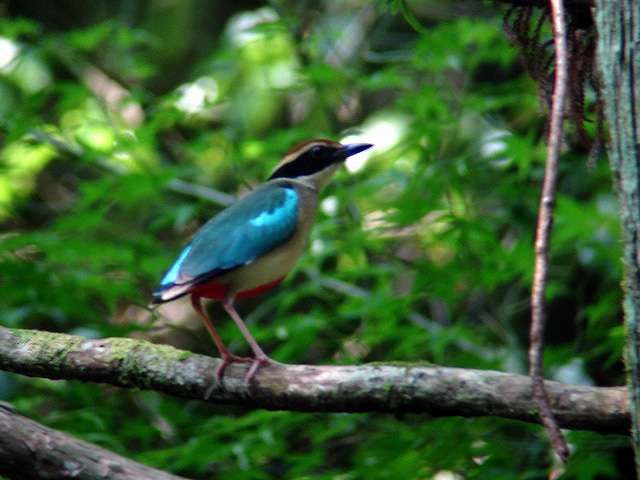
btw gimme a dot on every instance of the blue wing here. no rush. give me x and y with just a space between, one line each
255 225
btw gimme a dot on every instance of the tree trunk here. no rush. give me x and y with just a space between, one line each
619 64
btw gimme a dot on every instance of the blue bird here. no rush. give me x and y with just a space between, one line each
251 246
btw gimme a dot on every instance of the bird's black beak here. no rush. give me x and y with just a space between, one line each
352 149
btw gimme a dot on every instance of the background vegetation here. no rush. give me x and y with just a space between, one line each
126 125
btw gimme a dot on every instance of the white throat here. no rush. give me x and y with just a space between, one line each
318 180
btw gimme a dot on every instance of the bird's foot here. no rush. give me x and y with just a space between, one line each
226 360
256 363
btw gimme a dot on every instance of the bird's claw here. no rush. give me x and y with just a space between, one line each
256 362
253 369
228 359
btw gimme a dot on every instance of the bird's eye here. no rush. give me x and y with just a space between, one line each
315 151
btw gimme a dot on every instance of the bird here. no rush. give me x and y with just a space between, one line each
251 246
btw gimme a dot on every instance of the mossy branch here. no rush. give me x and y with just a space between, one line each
388 388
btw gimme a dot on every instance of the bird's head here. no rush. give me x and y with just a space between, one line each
315 161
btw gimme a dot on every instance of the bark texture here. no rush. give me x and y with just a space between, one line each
619 65
29 450
397 388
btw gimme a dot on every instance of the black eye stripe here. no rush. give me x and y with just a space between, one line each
313 160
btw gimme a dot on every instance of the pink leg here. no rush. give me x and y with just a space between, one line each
227 357
261 358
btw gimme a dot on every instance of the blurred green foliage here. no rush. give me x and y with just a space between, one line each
123 123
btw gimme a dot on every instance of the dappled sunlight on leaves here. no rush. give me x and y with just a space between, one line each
126 127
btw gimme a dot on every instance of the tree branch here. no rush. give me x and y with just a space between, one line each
543 234
29 450
398 389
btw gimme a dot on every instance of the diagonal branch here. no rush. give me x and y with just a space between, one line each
396 389
29 450
543 234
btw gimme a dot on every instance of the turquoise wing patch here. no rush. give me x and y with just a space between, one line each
238 235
